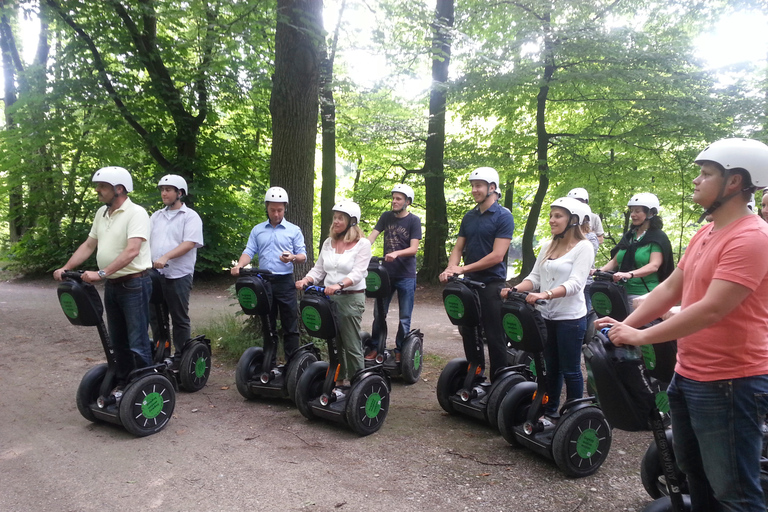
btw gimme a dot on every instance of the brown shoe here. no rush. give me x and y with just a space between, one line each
371 356
397 357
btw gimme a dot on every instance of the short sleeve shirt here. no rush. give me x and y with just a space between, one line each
641 285
737 345
481 231
169 228
112 232
398 233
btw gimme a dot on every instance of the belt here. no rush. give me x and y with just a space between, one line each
349 292
123 279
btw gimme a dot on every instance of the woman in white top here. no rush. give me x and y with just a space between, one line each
558 276
343 265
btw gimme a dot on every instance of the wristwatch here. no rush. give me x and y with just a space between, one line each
102 274
341 284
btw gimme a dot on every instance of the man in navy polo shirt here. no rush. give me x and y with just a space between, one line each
279 244
484 237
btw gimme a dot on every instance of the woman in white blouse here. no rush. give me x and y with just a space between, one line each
343 265
559 276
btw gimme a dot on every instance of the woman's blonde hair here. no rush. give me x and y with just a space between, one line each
574 233
352 234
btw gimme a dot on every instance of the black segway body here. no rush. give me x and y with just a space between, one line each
364 405
378 287
255 375
608 298
190 364
580 440
461 387
145 403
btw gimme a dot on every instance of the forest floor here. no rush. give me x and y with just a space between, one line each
221 452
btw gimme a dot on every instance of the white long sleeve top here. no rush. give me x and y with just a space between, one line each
571 271
332 267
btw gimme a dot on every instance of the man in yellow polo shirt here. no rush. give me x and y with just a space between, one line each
120 236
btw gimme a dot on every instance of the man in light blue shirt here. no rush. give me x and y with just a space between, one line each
278 244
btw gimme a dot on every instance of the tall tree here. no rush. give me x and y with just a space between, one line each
436 232
294 108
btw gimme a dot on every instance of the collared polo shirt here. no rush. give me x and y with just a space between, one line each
113 231
169 228
480 231
269 242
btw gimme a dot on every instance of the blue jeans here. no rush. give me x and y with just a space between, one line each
127 307
562 355
176 294
406 292
718 438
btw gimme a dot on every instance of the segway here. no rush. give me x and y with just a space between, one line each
257 373
462 388
363 405
634 401
580 440
411 352
144 405
191 365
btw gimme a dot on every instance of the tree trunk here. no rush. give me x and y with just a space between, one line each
294 109
328 123
15 180
529 258
436 222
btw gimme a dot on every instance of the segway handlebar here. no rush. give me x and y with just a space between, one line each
245 272
74 275
606 275
514 295
319 289
468 282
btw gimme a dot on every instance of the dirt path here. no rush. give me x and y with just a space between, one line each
221 452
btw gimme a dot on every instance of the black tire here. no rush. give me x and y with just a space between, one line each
496 396
651 471
367 405
526 359
195 367
581 442
296 367
147 405
450 381
249 365
514 409
88 391
310 386
411 359
665 505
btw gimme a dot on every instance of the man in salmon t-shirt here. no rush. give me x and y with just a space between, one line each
719 393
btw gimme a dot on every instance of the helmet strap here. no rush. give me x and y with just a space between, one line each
562 235
721 199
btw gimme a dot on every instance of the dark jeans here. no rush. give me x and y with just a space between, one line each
176 295
406 292
127 307
490 306
284 301
718 439
562 355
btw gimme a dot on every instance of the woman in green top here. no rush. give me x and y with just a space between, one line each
644 254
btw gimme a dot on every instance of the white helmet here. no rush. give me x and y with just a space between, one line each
350 208
579 193
751 203
405 190
573 206
276 195
114 176
646 199
748 154
486 174
174 180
